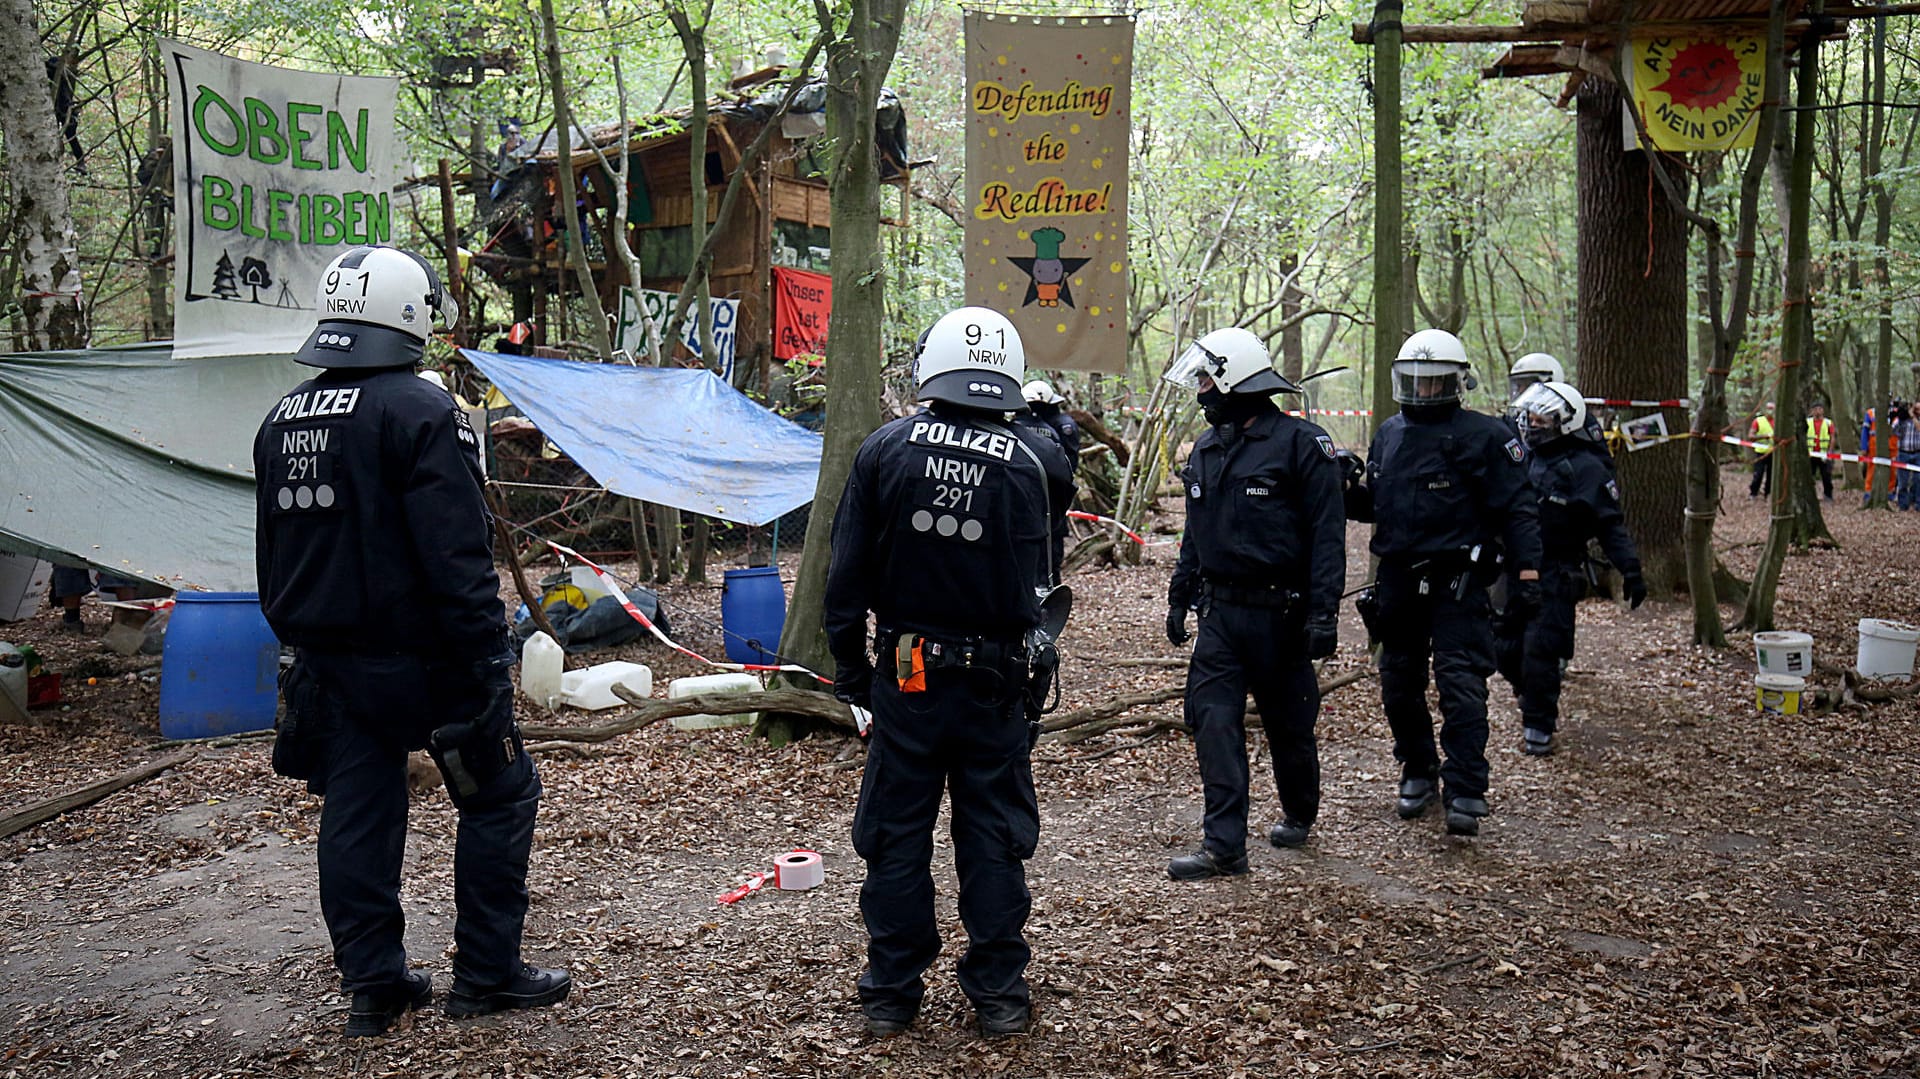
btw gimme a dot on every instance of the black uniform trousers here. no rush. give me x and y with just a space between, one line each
1262 651
1762 476
1456 635
372 716
966 732
1530 655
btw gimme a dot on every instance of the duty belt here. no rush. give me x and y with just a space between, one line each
1240 594
961 652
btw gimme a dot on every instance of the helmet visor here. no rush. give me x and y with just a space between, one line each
1539 409
1426 382
448 310
1519 381
1194 363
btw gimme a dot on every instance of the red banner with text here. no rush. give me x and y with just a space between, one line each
802 300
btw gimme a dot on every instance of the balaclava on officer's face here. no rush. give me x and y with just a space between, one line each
1221 407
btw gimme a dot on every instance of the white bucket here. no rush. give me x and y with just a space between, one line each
592 689
740 682
1778 693
1784 653
1886 649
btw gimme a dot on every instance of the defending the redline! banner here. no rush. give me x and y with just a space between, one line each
275 172
1048 125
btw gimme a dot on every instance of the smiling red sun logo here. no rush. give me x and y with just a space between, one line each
1703 76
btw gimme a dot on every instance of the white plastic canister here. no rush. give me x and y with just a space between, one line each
541 661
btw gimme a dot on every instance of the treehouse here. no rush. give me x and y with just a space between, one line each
779 219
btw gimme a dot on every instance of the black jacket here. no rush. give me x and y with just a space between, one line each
1442 480
1264 509
1579 500
372 532
943 530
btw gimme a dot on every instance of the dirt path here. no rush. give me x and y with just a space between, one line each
1687 887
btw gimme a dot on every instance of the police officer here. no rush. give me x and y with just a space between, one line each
376 565
942 533
1445 488
1579 500
1044 414
1537 367
1264 561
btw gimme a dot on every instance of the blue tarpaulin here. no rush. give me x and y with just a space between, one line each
680 437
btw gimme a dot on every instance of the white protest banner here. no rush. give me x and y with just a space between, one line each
646 319
275 172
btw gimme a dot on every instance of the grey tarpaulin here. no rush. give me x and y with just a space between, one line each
135 462
677 436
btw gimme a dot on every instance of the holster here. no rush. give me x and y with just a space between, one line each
1043 669
471 753
1368 604
299 740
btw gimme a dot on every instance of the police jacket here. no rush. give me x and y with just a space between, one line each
372 533
1063 428
1442 480
1263 510
1579 500
943 531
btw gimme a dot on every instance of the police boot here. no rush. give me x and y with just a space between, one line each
534 987
374 1011
1463 815
1005 1020
1417 795
1203 863
1288 833
880 1026
1538 743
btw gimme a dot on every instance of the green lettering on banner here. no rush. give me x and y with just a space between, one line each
350 218
217 210
207 98
247 227
297 132
337 137
327 229
264 127
277 202
379 219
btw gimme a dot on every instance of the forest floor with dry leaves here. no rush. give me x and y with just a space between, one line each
1688 887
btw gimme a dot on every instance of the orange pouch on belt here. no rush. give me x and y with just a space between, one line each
910 664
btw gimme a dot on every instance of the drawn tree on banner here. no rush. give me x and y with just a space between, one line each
255 275
223 283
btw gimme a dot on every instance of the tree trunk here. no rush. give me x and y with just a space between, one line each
1388 245
1633 318
857 63
569 194
642 550
666 525
1293 354
1796 333
697 550
693 47
50 313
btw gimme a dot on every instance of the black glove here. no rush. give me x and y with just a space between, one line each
854 685
1636 587
1177 624
1523 601
1351 467
1323 636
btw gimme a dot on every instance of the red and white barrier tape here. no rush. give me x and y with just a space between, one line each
753 883
619 593
1888 461
1082 515
1630 402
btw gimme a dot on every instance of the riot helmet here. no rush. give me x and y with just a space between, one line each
1431 369
1234 359
972 357
1534 367
377 305
1546 410
1040 392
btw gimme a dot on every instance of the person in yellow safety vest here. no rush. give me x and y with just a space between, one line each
1760 432
1819 444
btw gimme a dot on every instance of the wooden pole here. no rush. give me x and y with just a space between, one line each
528 596
449 229
48 808
1387 240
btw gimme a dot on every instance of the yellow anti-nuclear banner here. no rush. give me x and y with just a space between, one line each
1048 121
1698 93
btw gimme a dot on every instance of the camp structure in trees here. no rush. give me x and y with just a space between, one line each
782 217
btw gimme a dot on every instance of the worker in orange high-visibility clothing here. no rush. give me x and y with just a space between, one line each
1867 456
1819 445
1760 433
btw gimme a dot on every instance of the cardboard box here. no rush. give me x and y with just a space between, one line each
23 585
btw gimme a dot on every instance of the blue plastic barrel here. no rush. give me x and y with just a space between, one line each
219 671
753 608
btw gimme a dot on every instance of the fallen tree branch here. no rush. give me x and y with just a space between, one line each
1874 691
648 711
46 809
